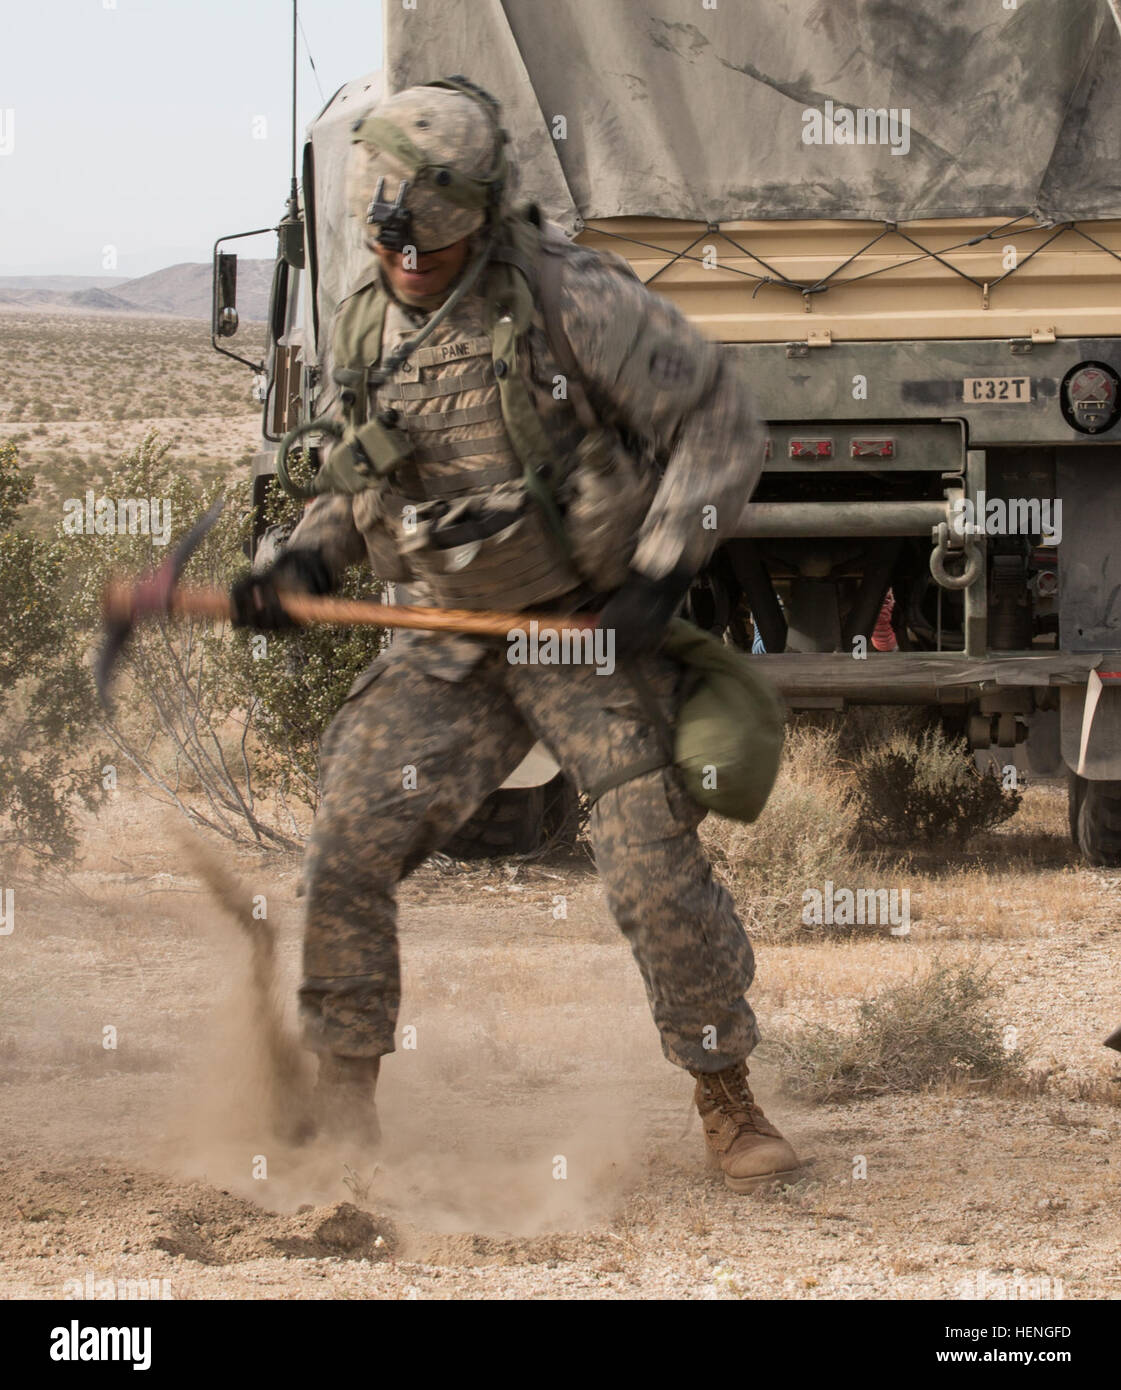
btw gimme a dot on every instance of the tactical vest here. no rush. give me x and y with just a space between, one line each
457 478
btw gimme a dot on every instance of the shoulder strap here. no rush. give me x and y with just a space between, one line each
356 345
512 274
549 290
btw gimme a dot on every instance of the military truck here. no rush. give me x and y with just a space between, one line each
904 223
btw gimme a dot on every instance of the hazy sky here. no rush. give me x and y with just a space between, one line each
130 123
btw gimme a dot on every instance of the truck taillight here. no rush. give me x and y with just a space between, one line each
1090 397
871 448
811 448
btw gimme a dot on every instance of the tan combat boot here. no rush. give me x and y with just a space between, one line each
344 1100
740 1138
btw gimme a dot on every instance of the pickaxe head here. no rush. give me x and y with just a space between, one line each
1114 1040
124 605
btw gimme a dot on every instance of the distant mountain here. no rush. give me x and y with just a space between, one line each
180 290
60 282
185 290
98 299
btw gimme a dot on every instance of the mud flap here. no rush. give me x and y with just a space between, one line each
1091 729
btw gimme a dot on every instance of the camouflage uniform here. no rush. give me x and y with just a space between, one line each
457 712
379 818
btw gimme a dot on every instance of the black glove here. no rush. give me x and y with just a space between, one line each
640 611
255 598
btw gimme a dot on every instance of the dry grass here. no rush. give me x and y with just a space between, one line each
1018 880
1012 904
804 837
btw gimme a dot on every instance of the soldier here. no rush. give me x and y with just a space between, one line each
522 423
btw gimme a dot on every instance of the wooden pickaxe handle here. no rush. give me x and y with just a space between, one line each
305 608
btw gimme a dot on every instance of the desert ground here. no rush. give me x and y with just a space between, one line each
78 391
537 1144
157 1158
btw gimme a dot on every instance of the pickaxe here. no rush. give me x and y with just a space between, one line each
158 592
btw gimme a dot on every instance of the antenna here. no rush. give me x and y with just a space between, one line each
293 192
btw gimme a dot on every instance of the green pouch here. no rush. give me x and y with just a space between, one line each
364 454
730 726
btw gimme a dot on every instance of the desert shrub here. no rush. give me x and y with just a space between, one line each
216 719
174 720
934 1028
300 679
862 727
925 789
47 693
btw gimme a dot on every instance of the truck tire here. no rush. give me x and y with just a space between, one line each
1095 814
517 821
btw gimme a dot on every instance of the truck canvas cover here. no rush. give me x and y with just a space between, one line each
650 122
673 109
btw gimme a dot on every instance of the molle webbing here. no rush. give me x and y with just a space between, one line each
450 419
417 488
509 285
443 386
466 448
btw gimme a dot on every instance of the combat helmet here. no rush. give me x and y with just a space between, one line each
428 166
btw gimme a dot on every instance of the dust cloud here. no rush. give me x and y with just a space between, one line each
519 1111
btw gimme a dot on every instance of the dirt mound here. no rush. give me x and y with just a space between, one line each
123 1212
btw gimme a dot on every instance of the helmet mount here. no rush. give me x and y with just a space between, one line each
394 219
479 195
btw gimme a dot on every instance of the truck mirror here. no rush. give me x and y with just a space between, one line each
224 313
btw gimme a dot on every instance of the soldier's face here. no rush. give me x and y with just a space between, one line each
423 277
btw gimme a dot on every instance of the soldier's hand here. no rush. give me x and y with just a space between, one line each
255 598
640 611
